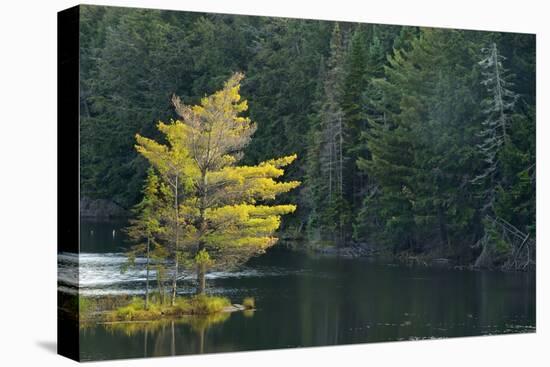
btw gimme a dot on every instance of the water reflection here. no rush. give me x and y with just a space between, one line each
307 301
187 335
102 236
361 302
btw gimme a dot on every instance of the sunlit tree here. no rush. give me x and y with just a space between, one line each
225 214
173 163
144 230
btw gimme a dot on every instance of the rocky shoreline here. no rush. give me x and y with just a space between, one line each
353 251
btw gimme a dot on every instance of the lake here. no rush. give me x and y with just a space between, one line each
302 301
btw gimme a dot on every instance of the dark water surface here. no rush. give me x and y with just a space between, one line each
307 301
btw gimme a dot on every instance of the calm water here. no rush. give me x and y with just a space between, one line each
305 301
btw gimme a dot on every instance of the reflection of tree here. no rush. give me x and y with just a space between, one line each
163 331
134 328
201 324
145 343
173 344
248 313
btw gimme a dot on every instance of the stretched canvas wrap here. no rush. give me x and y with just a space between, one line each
235 183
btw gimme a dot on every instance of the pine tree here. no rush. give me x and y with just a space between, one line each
498 108
172 161
145 228
326 179
403 147
281 83
515 200
225 214
127 83
420 145
386 216
377 108
355 119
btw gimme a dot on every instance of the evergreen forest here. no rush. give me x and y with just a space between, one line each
411 141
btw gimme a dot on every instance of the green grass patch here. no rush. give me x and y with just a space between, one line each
249 303
196 305
206 305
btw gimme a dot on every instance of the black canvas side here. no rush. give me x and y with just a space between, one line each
68 172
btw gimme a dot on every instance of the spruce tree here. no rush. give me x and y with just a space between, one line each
225 213
145 229
498 108
327 183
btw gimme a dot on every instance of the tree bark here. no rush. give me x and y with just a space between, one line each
147 276
201 271
176 259
201 280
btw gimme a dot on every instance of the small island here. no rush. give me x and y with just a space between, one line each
200 210
123 309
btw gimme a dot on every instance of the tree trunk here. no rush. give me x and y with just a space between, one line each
174 283
201 279
201 271
176 259
499 97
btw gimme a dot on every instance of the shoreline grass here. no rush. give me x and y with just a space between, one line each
125 308
184 306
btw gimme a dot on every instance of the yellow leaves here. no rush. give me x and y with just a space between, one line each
232 86
212 132
251 183
241 107
260 171
189 209
264 210
174 159
177 134
202 258
245 219
218 204
259 243
154 152
226 100
280 162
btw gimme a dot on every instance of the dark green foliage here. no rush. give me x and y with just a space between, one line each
515 201
387 121
326 161
128 88
424 151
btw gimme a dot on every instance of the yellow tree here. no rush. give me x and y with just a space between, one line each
172 162
144 229
226 211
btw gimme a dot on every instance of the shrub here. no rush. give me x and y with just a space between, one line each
197 305
133 311
84 306
249 303
205 305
